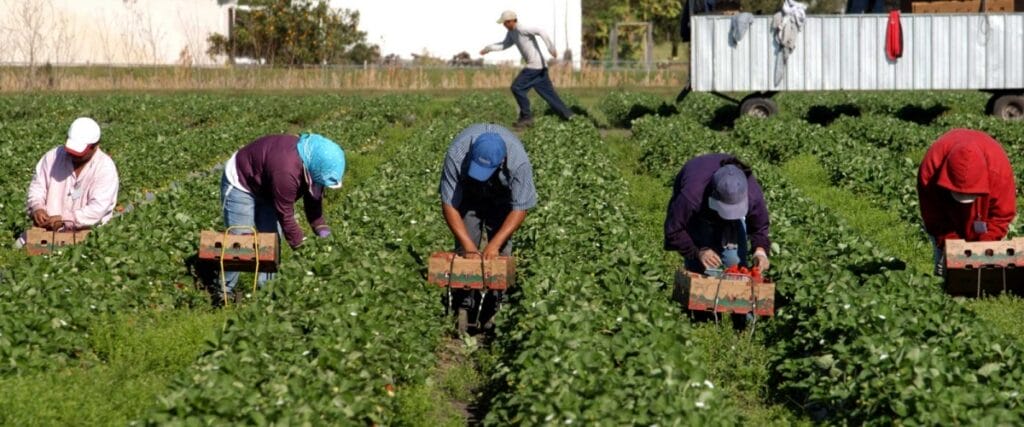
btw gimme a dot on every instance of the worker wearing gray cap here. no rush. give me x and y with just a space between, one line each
535 73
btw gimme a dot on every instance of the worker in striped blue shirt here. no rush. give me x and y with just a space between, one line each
486 185
535 73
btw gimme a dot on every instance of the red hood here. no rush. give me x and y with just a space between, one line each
965 169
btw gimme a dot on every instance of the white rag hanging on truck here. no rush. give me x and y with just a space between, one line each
786 24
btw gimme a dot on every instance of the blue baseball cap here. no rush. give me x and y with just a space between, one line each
486 154
729 194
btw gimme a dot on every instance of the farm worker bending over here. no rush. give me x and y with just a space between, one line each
716 206
75 185
263 180
966 190
486 184
535 73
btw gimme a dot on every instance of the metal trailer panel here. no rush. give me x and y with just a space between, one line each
723 63
847 52
832 63
1014 45
813 69
760 56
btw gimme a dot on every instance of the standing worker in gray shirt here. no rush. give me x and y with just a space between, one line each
486 185
535 74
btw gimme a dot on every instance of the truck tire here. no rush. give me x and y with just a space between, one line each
1008 107
760 107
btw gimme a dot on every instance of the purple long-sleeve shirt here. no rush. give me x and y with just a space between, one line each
690 200
270 168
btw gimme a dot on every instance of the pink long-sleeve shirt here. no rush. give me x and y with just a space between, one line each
85 200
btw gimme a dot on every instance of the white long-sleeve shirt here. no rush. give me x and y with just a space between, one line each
87 199
525 38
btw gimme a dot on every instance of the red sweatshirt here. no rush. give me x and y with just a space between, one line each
971 162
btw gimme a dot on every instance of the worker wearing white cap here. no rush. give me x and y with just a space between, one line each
535 74
75 185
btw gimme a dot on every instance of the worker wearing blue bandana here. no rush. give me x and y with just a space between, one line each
263 180
486 185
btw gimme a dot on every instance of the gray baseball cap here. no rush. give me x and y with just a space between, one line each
729 194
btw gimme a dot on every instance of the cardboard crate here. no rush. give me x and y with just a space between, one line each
448 269
984 268
40 241
961 254
968 6
736 294
239 251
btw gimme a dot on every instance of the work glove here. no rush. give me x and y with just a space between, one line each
709 258
323 231
761 260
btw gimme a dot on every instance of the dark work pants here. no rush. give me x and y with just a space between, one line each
539 80
481 217
866 6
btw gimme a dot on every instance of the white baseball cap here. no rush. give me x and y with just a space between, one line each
507 15
82 133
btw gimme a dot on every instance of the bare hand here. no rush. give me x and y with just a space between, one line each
761 259
483 52
55 222
710 259
490 252
40 218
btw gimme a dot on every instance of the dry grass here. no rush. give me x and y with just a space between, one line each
104 78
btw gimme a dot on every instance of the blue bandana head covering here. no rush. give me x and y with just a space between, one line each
323 159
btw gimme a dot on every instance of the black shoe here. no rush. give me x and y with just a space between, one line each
523 123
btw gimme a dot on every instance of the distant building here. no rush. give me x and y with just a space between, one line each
110 31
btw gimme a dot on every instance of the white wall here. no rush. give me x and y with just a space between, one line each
443 28
109 31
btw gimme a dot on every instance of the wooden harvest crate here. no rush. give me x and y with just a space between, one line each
240 253
969 6
446 269
735 294
39 241
984 268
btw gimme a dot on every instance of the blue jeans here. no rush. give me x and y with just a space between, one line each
728 240
540 81
241 208
938 258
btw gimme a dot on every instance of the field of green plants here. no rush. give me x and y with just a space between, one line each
115 331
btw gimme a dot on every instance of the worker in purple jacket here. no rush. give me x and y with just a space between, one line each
263 181
716 206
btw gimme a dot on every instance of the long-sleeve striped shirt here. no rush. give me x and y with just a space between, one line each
525 38
84 200
517 174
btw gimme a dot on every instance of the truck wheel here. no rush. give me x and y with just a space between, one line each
756 106
1008 107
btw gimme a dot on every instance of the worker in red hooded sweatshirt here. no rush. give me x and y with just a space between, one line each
966 190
